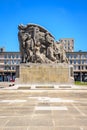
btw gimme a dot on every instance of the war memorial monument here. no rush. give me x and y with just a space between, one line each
43 59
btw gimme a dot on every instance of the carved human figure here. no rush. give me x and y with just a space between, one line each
29 46
50 52
26 47
62 53
56 51
22 46
40 57
49 39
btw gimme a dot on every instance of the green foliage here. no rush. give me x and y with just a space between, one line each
80 83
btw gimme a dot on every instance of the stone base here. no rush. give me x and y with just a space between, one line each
44 74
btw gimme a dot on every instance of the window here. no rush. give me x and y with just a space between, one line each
75 55
13 56
12 61
74 61
13 68
70 61
68 43
78 67
86 67
74 67
9 62
82 67
82 61
78 56
65 47
5 56
5 68
9 56
5 62
17 56
9 67
67 55
82 56
70 56
17 62
79 62
68 48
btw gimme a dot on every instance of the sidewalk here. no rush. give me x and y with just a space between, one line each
12 86
37 109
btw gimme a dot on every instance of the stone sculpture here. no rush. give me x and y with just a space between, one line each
37 45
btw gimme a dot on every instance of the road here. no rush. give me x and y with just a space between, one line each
43 110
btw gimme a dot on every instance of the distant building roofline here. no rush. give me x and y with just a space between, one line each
77 52
66 38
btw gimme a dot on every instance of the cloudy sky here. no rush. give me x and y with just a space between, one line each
62 18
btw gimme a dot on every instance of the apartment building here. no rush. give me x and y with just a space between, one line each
77 59
68 44
8 63
79 62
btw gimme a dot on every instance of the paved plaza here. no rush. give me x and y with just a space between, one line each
43 109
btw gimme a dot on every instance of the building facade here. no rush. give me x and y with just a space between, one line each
8 63
79 62
68 44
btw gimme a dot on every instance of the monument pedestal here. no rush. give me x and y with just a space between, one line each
45 74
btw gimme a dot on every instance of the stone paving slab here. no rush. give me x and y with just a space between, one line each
18 110
67 128
3 121
15 128
19 122
41 128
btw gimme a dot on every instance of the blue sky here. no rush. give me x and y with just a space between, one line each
62 18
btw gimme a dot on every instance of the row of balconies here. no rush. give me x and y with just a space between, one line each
79 64
80 71
2 58
80 67
78 58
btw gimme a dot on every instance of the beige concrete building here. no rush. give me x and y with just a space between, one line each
68 44
10 60
8 63
79 62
